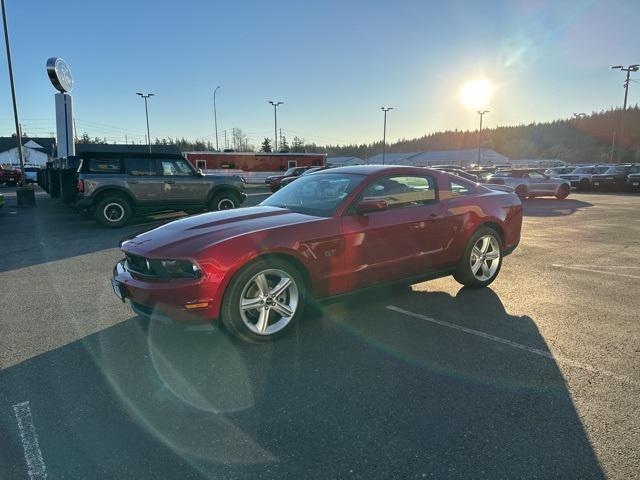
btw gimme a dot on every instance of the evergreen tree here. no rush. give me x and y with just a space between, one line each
266 145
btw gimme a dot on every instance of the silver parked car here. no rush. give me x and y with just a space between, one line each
530 183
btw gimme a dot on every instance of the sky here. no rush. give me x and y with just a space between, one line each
332 63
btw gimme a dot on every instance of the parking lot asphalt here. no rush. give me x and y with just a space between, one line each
535 377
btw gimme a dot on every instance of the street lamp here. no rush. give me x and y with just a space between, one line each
384 133
145 96
629 69
215 116
481 113
275 122
13 98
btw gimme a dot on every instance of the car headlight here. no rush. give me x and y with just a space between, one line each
177 268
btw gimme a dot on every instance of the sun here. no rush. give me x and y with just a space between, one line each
476 93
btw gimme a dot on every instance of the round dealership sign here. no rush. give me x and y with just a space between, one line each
59 74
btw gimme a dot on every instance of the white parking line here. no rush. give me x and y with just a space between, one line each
593 270
520 346
32 454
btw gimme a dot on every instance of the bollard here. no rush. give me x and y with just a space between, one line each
26 196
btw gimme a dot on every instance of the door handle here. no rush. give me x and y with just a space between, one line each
170 181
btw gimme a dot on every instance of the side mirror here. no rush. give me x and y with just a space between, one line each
200 173
370 206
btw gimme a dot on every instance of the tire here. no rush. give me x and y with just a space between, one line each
521 191
223 201
248 324
465 274
113 211
584 184
563 192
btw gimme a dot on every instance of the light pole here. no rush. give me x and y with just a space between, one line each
215 116
13 96
481 113
384 133
275 122
145 96
629 69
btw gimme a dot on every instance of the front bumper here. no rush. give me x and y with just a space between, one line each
173 299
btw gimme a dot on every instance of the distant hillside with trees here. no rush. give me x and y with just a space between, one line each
585 139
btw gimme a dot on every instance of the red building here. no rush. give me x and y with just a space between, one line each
254 162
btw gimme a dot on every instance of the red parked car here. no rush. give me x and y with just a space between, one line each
326 234
10 176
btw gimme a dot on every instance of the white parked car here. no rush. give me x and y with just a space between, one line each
580 177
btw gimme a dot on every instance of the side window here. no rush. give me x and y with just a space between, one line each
535 176
176 168
401 192
460 188
104 165
140 166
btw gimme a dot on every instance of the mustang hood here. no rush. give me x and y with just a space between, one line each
184 237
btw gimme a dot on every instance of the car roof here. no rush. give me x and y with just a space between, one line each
373 169
127 155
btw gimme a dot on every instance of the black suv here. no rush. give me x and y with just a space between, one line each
615 178
114 186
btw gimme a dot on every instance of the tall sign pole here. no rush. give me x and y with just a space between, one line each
60 76
13 94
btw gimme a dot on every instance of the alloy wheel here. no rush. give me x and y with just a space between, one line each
113 212
485 257
269 301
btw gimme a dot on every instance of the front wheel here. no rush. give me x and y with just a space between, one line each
481 260
563 192
223 201
263 301
113 211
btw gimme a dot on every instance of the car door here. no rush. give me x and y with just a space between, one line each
540 184
403 241
143 180
182 185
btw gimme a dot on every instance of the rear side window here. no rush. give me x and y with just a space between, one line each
458 187
141 166
104 165
401 192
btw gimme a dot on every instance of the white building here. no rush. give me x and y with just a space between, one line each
37 151
442 157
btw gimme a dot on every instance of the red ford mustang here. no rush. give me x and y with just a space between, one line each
327 233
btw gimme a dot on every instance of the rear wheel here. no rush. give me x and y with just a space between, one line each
563 192
113 211
521 191
481 260
263 301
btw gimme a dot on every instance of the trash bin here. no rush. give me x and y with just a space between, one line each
26 196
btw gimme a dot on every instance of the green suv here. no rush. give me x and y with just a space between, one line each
115 186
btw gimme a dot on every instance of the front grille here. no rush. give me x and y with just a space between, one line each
140 265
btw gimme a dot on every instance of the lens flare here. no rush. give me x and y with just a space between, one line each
476 93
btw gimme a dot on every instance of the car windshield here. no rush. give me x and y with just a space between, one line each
317 195
290 171
583 170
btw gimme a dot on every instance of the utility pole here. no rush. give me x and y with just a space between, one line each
481 113
225 139
384 133
145 96
629 69
215 116
13 95
275 122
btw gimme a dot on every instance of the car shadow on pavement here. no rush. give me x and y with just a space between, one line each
553 207
54 231
359 391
